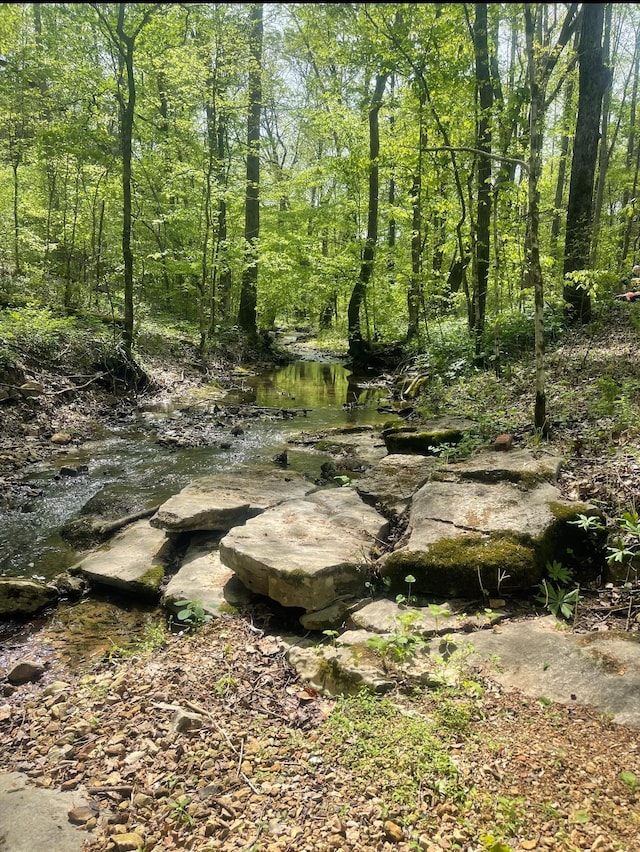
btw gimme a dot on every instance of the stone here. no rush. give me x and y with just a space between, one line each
202 577
427 437
130 841
19 596
38 818
309 552
330 617
61 438
220 502
542 657
518 466
31 388
393 481
503 443
133 561
25 671
467 538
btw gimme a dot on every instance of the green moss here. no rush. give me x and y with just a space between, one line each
149 583
455 566
581 551
405 440
569 512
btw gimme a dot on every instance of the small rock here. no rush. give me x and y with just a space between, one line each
61 438
129 842
393 831
503 442
183 722
80 815
25 671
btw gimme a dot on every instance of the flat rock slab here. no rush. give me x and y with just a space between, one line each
539 657
480 507
202 577
223 501
133 561
36 818
464 536
394 480
306 553
518 466
544 660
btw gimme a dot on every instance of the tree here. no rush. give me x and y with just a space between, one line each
540 65
357 346
594 79
483 143
247 314
124 44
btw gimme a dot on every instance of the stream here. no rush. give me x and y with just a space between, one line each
145 460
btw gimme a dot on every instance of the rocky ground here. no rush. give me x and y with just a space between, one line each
209 741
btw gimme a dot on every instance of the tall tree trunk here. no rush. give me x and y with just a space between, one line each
561 180
540 65
247 313
483 224
414 293
604 156
127 112
357 346
593 80
631 155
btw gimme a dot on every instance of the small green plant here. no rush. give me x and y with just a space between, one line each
559 599
408 598
401 644
630 780
192 614
332 635
438 612
179 811
342 480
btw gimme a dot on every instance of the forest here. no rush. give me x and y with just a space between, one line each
378 170
386 255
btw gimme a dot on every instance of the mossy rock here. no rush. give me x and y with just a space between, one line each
465 565
148 585
568 543
403 440
424 438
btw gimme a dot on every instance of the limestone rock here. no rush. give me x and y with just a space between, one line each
308 552
203 577
25 671
221 502
424 438
394 480
466 537
19 596
133 561
517 466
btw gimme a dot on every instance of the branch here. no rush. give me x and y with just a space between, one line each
481 153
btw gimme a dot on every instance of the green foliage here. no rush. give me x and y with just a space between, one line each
400 645
376 740
408 598
192 614
560 600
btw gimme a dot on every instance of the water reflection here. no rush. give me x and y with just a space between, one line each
129 470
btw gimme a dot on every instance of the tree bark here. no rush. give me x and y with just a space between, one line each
483 143
357 346
594 78
247 314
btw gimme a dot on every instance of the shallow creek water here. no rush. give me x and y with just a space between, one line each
129 469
